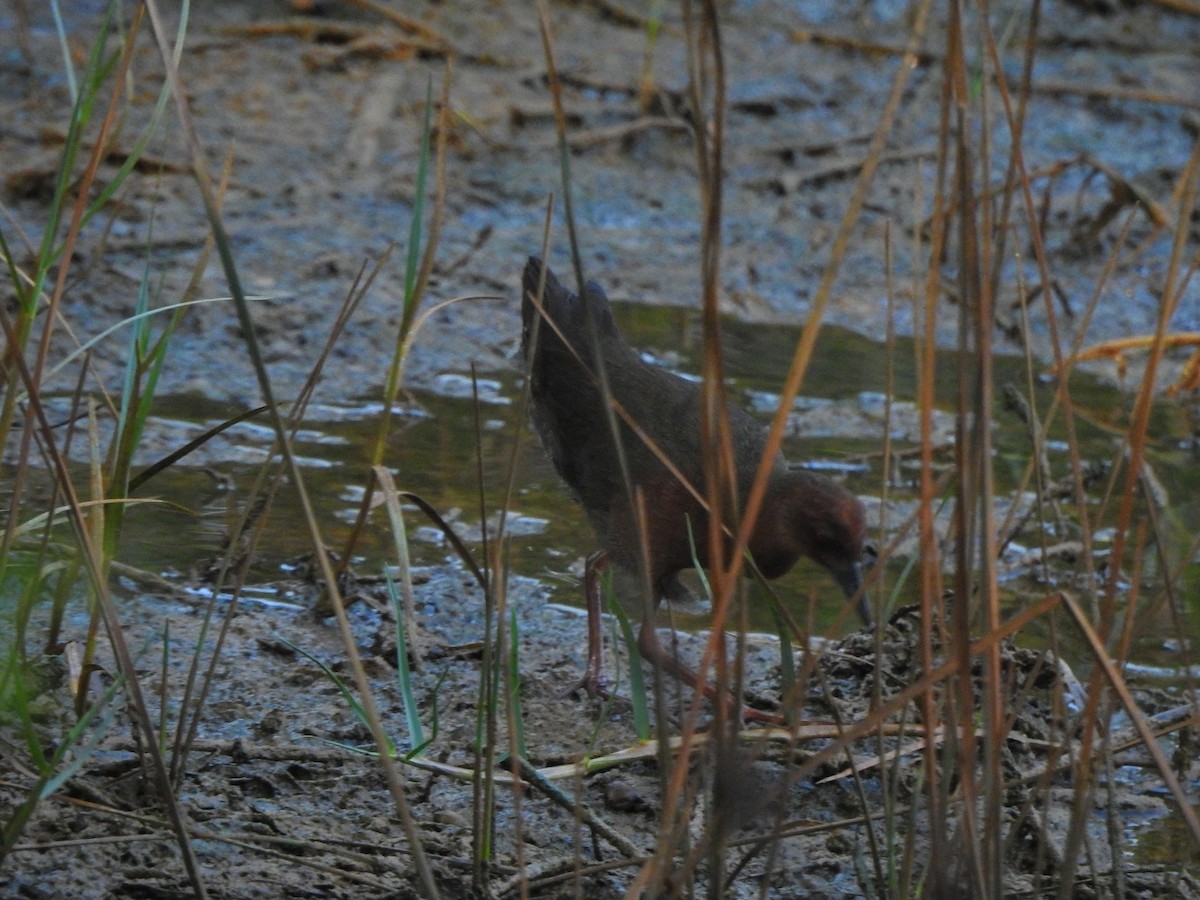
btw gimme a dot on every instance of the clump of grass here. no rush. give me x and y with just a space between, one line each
37 560
37 565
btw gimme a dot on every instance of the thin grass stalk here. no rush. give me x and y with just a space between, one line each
414 235
516 719
564 154
69 575
706 73
873 847
25 604
599 371
1172 575
81 204
433 232
883 881
383 478
936 787
923 299
143 364
60 595
988 246
1025 91
355 705
483 805
881 607
60 31
564 151
255 514
96 518
200 171
719 465
1045 423
416 733
80 353
17 488
646 86
480 820
1038 466
505 680
774 843
672 824
15 682
706 55
19 469
517 750
1116 842
82 105
673 816
197 685
500 663
163 681
969 871
17 336
255 511
510 661
1041 259
416 276
637 682
789 687
664 770
403 604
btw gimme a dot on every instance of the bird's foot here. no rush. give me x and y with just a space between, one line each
750 714
592 683
743 713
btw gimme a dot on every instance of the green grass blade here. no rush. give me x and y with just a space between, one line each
514 682
352 701
637 682
787 665
403 672
412 262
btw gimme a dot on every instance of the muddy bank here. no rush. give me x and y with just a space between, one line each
280 804
324 137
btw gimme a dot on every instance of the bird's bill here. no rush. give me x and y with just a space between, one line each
851 580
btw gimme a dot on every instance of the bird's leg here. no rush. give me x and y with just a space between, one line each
593 681
667 661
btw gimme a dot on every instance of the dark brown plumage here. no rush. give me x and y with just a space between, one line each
803 513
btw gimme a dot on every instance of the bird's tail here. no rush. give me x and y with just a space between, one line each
565 309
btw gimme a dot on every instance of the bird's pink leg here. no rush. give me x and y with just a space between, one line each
664 660
593 681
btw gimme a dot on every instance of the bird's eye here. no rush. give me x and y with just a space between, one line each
870 555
